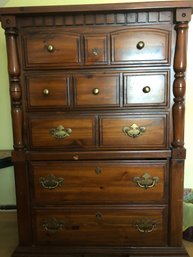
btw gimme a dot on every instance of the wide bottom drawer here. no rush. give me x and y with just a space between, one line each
99 226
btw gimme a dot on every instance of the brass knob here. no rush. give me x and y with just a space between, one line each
95 91
50 48
75 157
95 51
140 45
46 92
146 89
99 216
98 170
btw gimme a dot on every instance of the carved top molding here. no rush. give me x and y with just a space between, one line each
98 7
132 18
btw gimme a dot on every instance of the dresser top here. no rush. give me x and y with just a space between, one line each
97 7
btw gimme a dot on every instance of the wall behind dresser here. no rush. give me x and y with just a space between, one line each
7 193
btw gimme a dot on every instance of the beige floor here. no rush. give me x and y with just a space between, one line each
9 239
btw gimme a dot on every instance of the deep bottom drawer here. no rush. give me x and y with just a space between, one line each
101 226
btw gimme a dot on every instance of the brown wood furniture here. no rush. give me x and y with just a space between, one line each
97 94
5 159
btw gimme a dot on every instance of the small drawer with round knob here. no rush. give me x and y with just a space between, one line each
47 91
146 89
97 90
140 46
96 49
55 47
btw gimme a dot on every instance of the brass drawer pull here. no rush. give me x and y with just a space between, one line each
53 225
134 130
146 226
60 132
146 181
140 45
45 92
146 89
98 170
95 91
51 182
50 48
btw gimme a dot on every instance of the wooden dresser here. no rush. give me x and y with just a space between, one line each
97 96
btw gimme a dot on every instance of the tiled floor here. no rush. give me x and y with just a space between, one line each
9 239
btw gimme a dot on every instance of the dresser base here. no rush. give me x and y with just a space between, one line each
96 252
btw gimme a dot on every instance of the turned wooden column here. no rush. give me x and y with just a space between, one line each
9 24
18 155
183 16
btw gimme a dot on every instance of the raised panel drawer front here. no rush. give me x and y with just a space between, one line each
146 88
140 45
47 90
62 132
99 182
102 227
134 131
51 47
97 90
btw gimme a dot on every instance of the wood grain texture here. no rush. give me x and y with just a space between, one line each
99 143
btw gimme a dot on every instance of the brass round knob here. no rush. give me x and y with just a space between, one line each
95 51
146 89
140 45
50 48
98 170
46 92
95 91
75 157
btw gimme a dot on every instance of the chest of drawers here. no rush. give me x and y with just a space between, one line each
97 95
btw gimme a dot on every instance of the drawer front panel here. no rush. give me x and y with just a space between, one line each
140 46
102 227
96 49
96 90
135 131
47 91
99 182
146 89
55 48
62 132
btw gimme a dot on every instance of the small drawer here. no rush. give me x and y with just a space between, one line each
97 90
146 89
47 90
63 132
143 131
140 45
52 48
96 49
57 183
101 227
